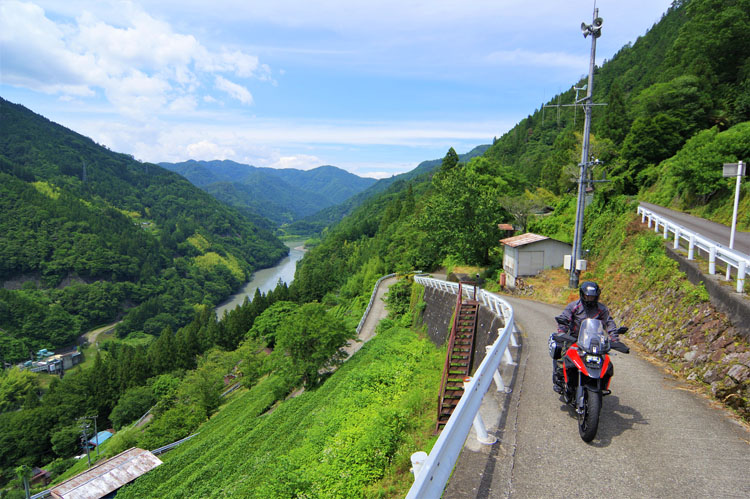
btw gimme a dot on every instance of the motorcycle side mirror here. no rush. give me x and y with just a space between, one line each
622 330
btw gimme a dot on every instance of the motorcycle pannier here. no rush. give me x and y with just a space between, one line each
555 348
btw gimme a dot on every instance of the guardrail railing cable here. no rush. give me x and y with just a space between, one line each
433 473
694 240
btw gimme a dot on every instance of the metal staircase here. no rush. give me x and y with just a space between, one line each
459 358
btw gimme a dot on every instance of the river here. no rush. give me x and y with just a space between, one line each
266 279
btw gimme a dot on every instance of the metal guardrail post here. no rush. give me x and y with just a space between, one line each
691 247
482 436
676 238
741 277
712 260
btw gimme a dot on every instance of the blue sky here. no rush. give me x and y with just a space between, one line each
372 87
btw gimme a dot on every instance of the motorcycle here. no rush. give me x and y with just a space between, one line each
586 369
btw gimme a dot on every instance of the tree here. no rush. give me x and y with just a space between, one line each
312 340
616 122
15 387
132 404
520 208
161 352
66 441
267 324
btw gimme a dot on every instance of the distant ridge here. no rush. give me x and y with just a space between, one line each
280 195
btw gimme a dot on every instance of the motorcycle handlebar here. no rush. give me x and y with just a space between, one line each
614 345
620 347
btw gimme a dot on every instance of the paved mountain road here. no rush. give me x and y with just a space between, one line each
377 312
717 232
656 437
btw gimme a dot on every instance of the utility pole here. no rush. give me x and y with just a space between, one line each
84 424
595 30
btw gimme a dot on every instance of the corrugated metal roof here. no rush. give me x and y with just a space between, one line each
523 239
110 475
505 226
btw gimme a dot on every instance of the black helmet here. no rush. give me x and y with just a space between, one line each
589 292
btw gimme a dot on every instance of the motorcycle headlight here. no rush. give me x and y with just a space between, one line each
593 359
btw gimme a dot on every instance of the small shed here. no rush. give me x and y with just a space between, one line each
108 476
529 254
39 477
100 438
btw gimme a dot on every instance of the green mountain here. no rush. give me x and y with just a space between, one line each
326 217
281 195
88 235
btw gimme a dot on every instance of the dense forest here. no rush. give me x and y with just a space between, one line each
89 236
678 106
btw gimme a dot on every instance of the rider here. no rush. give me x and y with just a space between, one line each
586 307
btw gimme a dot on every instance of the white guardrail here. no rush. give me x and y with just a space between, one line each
694 240
437 467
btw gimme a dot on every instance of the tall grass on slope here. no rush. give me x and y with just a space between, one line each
352 437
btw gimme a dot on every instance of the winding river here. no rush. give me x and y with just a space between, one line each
266 279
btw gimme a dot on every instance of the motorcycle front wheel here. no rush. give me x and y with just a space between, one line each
588 421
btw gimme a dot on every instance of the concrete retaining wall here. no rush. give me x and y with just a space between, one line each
724 298
439 312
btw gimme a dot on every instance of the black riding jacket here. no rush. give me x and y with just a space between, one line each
576 312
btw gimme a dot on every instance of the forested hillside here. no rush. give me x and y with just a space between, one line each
88 236
281 195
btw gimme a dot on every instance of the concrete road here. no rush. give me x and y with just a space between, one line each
377 312
656 437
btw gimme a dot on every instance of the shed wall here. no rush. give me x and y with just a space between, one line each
532 258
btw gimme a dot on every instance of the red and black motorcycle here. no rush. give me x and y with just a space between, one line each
586 369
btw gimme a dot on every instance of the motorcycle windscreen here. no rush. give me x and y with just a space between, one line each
591 337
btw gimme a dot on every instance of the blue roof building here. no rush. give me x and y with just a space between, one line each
100 438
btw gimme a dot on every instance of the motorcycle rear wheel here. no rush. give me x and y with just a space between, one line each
588 422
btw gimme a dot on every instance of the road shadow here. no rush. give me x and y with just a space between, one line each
614 420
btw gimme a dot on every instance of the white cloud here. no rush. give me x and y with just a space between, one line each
141 65
237 91
34 54
299 161
183 104
207 150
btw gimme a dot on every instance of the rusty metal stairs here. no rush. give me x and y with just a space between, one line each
458 360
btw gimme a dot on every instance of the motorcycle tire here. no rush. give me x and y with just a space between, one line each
588 422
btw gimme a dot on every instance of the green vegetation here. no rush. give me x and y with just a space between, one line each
340 440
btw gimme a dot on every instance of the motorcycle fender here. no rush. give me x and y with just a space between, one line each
599 373
572 354
579 397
